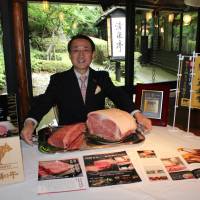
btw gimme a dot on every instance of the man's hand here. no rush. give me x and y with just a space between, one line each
144 121
27 132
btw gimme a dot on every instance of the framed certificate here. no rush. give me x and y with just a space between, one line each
153 100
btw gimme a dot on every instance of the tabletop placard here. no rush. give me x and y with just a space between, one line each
11 165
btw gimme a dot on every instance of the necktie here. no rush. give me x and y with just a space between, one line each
83 79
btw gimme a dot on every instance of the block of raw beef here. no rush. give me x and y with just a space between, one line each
68 137
111 124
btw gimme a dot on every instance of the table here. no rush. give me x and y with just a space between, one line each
161 139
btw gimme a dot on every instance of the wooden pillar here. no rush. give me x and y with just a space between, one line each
8 46
20 59
130 43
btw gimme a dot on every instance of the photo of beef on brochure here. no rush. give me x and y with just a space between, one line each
79 137
61 175
58 169
110 169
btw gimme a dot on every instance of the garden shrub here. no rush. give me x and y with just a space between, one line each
51 66
101 54
60 44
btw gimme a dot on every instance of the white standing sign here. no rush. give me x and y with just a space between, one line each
118 36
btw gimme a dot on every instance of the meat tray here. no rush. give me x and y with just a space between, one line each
89 142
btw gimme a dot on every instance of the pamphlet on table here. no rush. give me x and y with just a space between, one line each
110 169
184 165
11 166
192 158
60 176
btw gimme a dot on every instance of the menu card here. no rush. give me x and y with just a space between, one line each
11 166
60 176
110 169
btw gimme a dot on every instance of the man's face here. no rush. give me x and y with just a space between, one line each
81 54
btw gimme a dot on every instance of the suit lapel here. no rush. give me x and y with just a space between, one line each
76 86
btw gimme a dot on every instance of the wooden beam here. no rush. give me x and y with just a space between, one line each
20 59
8 47
130 43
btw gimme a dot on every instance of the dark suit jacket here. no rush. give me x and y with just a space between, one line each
64 92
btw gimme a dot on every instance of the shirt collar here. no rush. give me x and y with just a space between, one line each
78 74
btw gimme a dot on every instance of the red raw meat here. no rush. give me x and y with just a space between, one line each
77 143
111 124
68 137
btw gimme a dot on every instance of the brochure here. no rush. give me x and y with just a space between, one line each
11 167
152 166
176 168
192 158
188 168
159 168
60 176
110 169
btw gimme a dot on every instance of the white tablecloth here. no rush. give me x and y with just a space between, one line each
163 140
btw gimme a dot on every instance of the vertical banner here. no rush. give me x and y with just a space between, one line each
118 37
187 80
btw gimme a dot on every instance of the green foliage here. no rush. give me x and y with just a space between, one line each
2 70
39 62
191 46
51 66
2 65
109 103
101 54
60 20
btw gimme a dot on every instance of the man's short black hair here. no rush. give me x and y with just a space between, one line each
80 36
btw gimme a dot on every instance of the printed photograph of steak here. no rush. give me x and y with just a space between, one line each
59 169
53 167
68 137
111 124
104 164
100 165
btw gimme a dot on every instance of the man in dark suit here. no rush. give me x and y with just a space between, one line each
75 98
